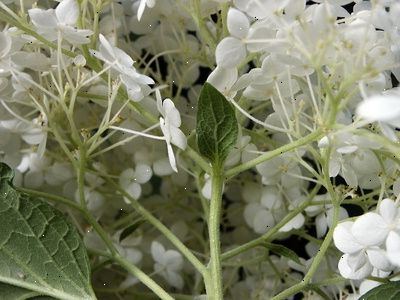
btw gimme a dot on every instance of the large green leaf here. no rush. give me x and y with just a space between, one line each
39 250
387 291
217 128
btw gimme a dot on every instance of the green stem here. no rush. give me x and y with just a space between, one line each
273 153
144 278
135 271
198 159
315 264
163 229
214 220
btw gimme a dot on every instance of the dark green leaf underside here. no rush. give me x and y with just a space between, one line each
387 291
39 250
217 128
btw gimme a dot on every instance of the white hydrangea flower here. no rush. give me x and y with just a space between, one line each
363 239
135 83
168 263
231 51
324 215
62 20
170 123
372 229
130 180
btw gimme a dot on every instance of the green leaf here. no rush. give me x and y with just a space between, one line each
15 293
387 291
39 250
283 251
131 229
217 127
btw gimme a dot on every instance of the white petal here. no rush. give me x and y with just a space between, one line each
174 279
128 282
238 23
162 167
173 260
141 8
34 136
76 36
250 212
389 132
393 248
223 79
347 272
133 255
271 198
347 149
94 200
378 259
388 210
134 189
334 167
172 115
295 8
206 190
370 229
159 103
171 157
344 239
143 173
67 12
178 138
294 223
263 221
126 177
349 175
380 108
157 251
106 50
43 18
230 52
321 225
32 60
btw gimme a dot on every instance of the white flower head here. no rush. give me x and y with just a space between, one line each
170 123
131 180
122 63
168 263
61 20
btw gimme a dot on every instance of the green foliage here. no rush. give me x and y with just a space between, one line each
39 250
217 128
283 251
387 291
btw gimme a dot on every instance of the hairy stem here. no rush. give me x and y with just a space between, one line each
216 292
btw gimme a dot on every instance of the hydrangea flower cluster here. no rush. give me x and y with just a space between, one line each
98 106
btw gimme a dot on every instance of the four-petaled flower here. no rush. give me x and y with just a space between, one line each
170 123
62 20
